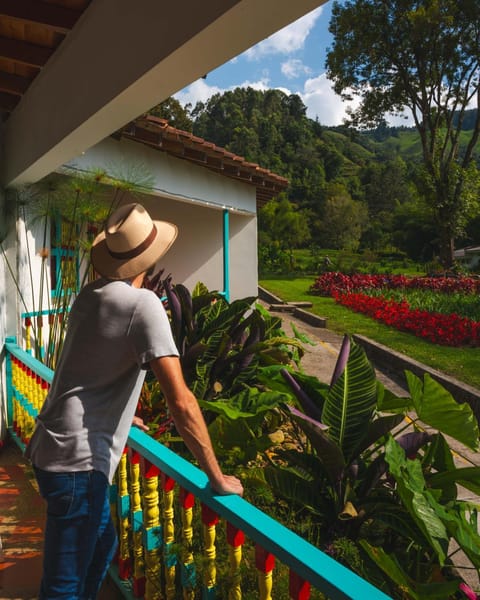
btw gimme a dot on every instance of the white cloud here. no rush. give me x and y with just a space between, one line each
322 102
287 40
294 68
200 91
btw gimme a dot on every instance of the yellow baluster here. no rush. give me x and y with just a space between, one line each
235 539
170 558
153 534
123 508
210 520
137 525
264 562
188 575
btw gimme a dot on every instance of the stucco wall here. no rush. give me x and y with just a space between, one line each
194 198
197 254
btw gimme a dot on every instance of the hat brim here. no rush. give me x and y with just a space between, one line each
113 268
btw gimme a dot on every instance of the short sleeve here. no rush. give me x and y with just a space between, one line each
150 333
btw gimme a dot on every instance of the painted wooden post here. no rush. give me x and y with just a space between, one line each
265 563
169 555
298 588
28 329
138 567
235 539
123 511
210 521
152 531
188 575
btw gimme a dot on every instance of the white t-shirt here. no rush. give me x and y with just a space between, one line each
114 331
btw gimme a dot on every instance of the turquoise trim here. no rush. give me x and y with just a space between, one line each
38 367
137 520
188 575
43 313
322 571
169 555
123 506
226 255
153 538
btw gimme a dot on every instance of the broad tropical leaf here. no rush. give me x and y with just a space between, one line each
392 568
436 407
351 400
468 477
416 498
248 403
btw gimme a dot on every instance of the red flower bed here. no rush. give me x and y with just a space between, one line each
327 283
447 330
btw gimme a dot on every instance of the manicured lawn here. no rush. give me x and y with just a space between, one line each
461 363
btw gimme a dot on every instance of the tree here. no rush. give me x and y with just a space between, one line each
280 222
176 115
343 219
422 56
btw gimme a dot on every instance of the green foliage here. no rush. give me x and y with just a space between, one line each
393 497
426 60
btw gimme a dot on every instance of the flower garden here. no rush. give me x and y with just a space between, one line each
442 310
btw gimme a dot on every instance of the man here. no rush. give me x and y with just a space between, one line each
116 330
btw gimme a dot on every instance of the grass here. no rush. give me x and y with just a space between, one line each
461 363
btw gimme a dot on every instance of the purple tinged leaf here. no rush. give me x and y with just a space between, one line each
298 413
412 442
305 401
175 309
341 360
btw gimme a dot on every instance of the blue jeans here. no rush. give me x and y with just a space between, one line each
80 538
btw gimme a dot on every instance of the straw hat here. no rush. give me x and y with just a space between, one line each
131 243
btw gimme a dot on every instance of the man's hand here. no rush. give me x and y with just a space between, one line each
229 484
138 422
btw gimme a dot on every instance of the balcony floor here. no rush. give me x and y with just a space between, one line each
21 530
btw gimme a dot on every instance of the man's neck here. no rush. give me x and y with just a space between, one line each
137 281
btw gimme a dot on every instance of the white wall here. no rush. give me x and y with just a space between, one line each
173 177
193 198
197 254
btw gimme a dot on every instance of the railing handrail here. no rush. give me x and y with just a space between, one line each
310 563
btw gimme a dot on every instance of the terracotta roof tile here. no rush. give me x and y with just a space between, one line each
157 133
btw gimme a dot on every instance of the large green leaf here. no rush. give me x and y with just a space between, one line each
418 591
469 477
248 403
351 401
416 498
436 407
388 402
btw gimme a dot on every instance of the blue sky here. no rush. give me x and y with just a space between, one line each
293 60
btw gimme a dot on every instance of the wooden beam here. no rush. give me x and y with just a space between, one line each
24 53
54 17
13 84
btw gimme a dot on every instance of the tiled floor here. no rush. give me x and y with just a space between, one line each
21 527
21 530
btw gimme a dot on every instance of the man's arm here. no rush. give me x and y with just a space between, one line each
190 423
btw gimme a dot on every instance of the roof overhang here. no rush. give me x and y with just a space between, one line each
120 59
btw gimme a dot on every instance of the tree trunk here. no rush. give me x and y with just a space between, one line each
447 246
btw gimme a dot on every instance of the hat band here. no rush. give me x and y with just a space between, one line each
147 242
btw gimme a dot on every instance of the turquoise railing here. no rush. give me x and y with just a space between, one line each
158 551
